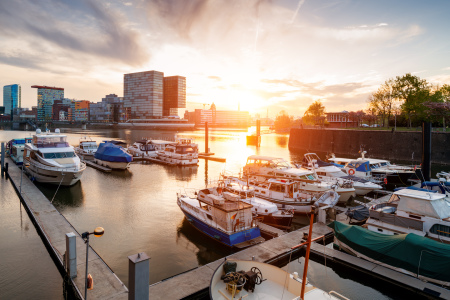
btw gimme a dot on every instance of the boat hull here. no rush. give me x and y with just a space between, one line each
63 177
220 236
279 221
299 207
112 165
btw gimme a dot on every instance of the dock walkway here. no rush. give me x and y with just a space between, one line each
97 166
52 226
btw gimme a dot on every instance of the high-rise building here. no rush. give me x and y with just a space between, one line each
11 98
143 94
81 112
46 96
174 95
109 110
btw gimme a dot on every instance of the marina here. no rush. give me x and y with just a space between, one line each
205 255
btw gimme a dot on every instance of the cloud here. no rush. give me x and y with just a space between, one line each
216 78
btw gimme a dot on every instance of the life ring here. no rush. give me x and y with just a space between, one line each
385 180
351 172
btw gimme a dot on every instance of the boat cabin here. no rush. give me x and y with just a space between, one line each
50 141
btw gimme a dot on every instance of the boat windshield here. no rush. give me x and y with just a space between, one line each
183 150
50 141
58 155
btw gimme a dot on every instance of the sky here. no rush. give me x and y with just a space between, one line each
262 56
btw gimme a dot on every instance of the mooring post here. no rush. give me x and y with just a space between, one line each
426 151
3 159
71 255
258 133
138 276
206 138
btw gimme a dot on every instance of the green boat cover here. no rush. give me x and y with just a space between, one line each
405 251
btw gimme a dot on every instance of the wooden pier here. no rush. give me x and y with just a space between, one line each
213 158
154 159
52 226
97 166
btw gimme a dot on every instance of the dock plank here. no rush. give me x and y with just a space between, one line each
53 226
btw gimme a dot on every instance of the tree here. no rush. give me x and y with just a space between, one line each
382 101
356 116
413 92
283 121
315 114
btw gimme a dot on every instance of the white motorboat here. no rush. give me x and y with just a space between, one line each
221 216
50 159
329 172
286 193
413 210
183 152
147 148
264 210
86 148
15 148
262 167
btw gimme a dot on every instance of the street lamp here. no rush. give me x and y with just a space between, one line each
98 232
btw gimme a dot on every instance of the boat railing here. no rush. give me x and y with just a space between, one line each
396 220
59 169
338 295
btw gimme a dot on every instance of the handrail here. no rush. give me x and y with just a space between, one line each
45 167
339 295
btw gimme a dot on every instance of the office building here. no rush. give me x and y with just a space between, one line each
174 95
81 112
143 94
12 98
46 96
110 109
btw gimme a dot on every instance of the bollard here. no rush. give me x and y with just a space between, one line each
138 276
71 255
322 216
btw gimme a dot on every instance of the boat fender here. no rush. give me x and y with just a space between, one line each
351 172
209 208
385 180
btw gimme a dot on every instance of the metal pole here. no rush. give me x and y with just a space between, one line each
21 175
206 138
305 270
86 278
3 159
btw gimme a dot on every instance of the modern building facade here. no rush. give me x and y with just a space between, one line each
143 94
110 109
46 96
12 98
81 112
174 95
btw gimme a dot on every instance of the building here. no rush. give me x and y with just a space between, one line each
143 94
81 112
110 109
60 106
219 118
340 120
174 95
46 96
12 98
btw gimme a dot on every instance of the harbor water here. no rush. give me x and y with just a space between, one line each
138 210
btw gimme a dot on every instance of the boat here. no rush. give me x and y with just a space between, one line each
263 167
86 148
50 159
15 149
113 156
413 210
330 172
147 148
183 152
411 254
266 211
286 193
220 215
241 279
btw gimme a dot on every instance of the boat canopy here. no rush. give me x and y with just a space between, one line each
409 252
360 166
443 186
113 153
435 207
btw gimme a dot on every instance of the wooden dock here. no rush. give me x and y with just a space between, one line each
96 166
270 230
213 158
154 159
52 227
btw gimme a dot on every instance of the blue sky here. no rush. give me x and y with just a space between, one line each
257 54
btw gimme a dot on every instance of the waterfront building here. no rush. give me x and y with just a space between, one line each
174 95
340 120
143 94
58 108
46 96
219 118
110 109
12 98
81 112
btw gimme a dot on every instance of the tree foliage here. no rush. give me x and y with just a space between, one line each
315 114
283 121
382 102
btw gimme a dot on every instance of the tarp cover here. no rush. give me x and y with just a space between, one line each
403 251
113 153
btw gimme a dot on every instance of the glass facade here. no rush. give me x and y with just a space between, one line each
12 98
174 95
46 97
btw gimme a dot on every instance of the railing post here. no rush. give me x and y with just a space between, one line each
71 255
138 276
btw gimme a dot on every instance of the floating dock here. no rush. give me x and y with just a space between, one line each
96 166
52 226
154 159
213 158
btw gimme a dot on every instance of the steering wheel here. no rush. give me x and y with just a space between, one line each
259 277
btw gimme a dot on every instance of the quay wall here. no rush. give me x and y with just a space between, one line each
391 145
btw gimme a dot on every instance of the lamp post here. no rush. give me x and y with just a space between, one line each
98 232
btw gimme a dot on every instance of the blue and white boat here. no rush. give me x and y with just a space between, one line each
221 216
112 156
15 148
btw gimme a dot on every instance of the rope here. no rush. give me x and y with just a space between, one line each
58 187
287 273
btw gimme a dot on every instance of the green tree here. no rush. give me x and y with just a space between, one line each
413 92
315 114
382 101
283 121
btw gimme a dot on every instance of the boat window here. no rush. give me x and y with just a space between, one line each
311 177
439 229
270 173
279 174
209 217
274 187
394 198
383 164
58 155
321 173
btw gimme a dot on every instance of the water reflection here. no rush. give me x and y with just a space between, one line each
186 173
282 141
72 196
